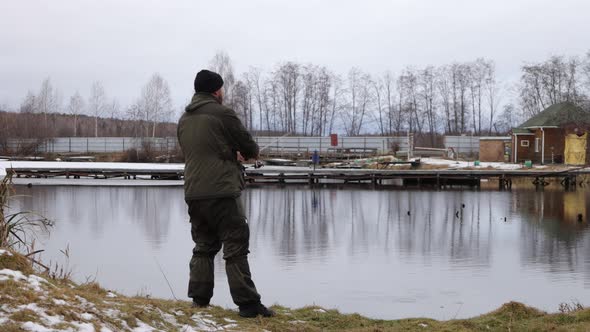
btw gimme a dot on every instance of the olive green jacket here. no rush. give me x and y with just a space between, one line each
210 134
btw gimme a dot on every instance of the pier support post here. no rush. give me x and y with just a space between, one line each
540 182
504 183
569 182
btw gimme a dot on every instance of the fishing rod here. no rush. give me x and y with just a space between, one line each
274 141
257 163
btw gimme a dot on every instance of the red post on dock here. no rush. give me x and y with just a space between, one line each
334 139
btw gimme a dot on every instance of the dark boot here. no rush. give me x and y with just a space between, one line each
253 310
199 304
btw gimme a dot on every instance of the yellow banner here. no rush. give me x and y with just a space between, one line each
575 149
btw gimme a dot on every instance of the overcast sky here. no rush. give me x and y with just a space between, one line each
122 43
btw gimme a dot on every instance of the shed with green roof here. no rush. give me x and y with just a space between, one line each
543 137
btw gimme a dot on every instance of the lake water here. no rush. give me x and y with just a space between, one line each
382 253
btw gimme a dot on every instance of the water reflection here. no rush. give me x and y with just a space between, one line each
309 223
384 253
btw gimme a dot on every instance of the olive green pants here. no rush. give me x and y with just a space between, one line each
215 222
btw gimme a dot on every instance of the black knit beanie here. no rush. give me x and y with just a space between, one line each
208 81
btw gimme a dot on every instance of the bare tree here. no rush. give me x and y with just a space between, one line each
460 84
76 108
308 103
29 104
381 114
336 104
287 78
97 104
492 91
408 81
134 113
546 83
254 81
427 92
242 102
388 85
48 101
154 104
476 72
114 109
315 103
586 69
273 105
359 85
507 120
324 83
444 88
221 63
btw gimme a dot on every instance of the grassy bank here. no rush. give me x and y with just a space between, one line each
39 302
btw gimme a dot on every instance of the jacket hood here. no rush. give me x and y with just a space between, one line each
200 99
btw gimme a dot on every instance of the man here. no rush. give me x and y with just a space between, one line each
214 142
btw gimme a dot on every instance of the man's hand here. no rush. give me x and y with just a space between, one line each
240 157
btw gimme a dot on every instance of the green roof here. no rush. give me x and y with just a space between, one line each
520 131
558 115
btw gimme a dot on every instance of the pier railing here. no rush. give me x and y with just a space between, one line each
277 145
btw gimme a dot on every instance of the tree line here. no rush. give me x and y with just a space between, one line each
308 99
452 99
44 114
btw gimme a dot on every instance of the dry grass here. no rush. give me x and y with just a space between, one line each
17 230
123 313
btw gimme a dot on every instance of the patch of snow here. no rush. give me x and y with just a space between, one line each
105 329
230 326
30 326
204 324
85 304
422 325
111 295
3 320
143 327
319 310
73 166
50 320
463 164
17 275
83 327
208 321
59 302
297 322
187 328
229 320
5 252
86 316
6 308
168 317
33 281
112 313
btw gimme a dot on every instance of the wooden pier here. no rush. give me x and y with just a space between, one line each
439 178
434 178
